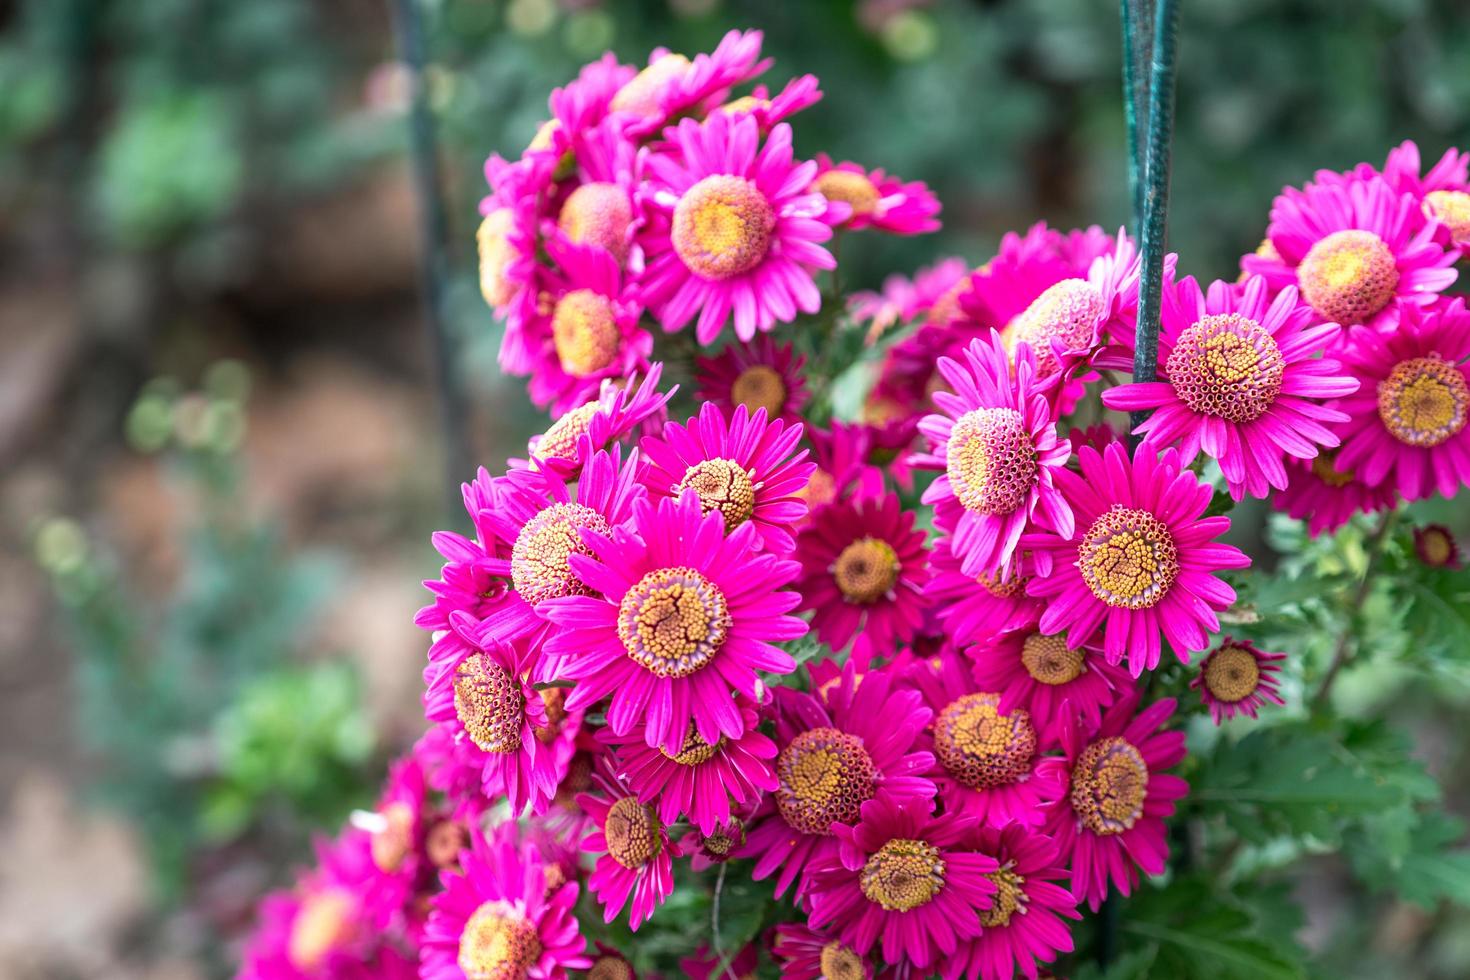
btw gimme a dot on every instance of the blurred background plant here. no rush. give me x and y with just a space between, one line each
200 189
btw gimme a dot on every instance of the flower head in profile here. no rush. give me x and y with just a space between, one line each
1043 675
683 619
1356 249
877 200
986 760
1241 378
1109 824
1443 191
1327 497
863 571
622 408
1237 678
908 878
1407 427
672 84
852 741
498 917
734 230
903 299
758 374
744 468
1025 921
973 608
636 856
997 447
1142 562
700 780
808 954
843 470
797 94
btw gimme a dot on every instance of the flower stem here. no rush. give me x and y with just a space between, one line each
1342 651
726 965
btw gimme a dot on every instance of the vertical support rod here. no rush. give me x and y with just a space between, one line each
1156 194
1135 111
453 403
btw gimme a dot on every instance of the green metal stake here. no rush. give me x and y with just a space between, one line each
1135 42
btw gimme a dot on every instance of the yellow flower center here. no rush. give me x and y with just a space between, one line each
1048 661
489 704
1453 209
1010 898
903 875
560 441
640 95
820 489
554 700
392 842
695 750
839 962
498 943
1067 312
584 329
866 570
539 561
1324 468
1348 276
1437 548
722 485
598 213
825 777
1109 786
496 254
1005 586
759 386
1232 674
1128 558
991 460
673 621
632 832
323 923
979 746
1423 401
610 968
1227 365
444 842
851 187
722 227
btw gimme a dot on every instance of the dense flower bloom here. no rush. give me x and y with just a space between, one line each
746 469
479 691
622 408
904 299
975 607
1110 820
1024 922
997 448
1408 428
636 861
699 780
877 200
908 877
499 917
1435 546
734 229
985 759
759 374
843 471
1240 377
685 614
1043 675
1353 247
1443 191
672 84
1237 678
1327 497
1141 561
852 742
806 954
862 574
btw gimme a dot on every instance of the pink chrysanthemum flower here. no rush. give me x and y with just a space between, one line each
1110 822
841 455
577 108
701 779
480 692
622 408
907 876
511 277
852 743
1141 561
609 964
1042 674
760 374
985 759
877 200
746 469
719 845
1443 192
997 448
1326 497
685 614
973 607
1407 429
500 916
733 229
1435 547
863 569
594 327
806 954
470 580
1237 678
1241 378
798 94
672 84
1024 922
636 862
1352 248
903 299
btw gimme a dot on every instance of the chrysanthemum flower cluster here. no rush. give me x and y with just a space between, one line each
893 668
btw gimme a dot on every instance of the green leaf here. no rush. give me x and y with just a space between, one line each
1201 932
